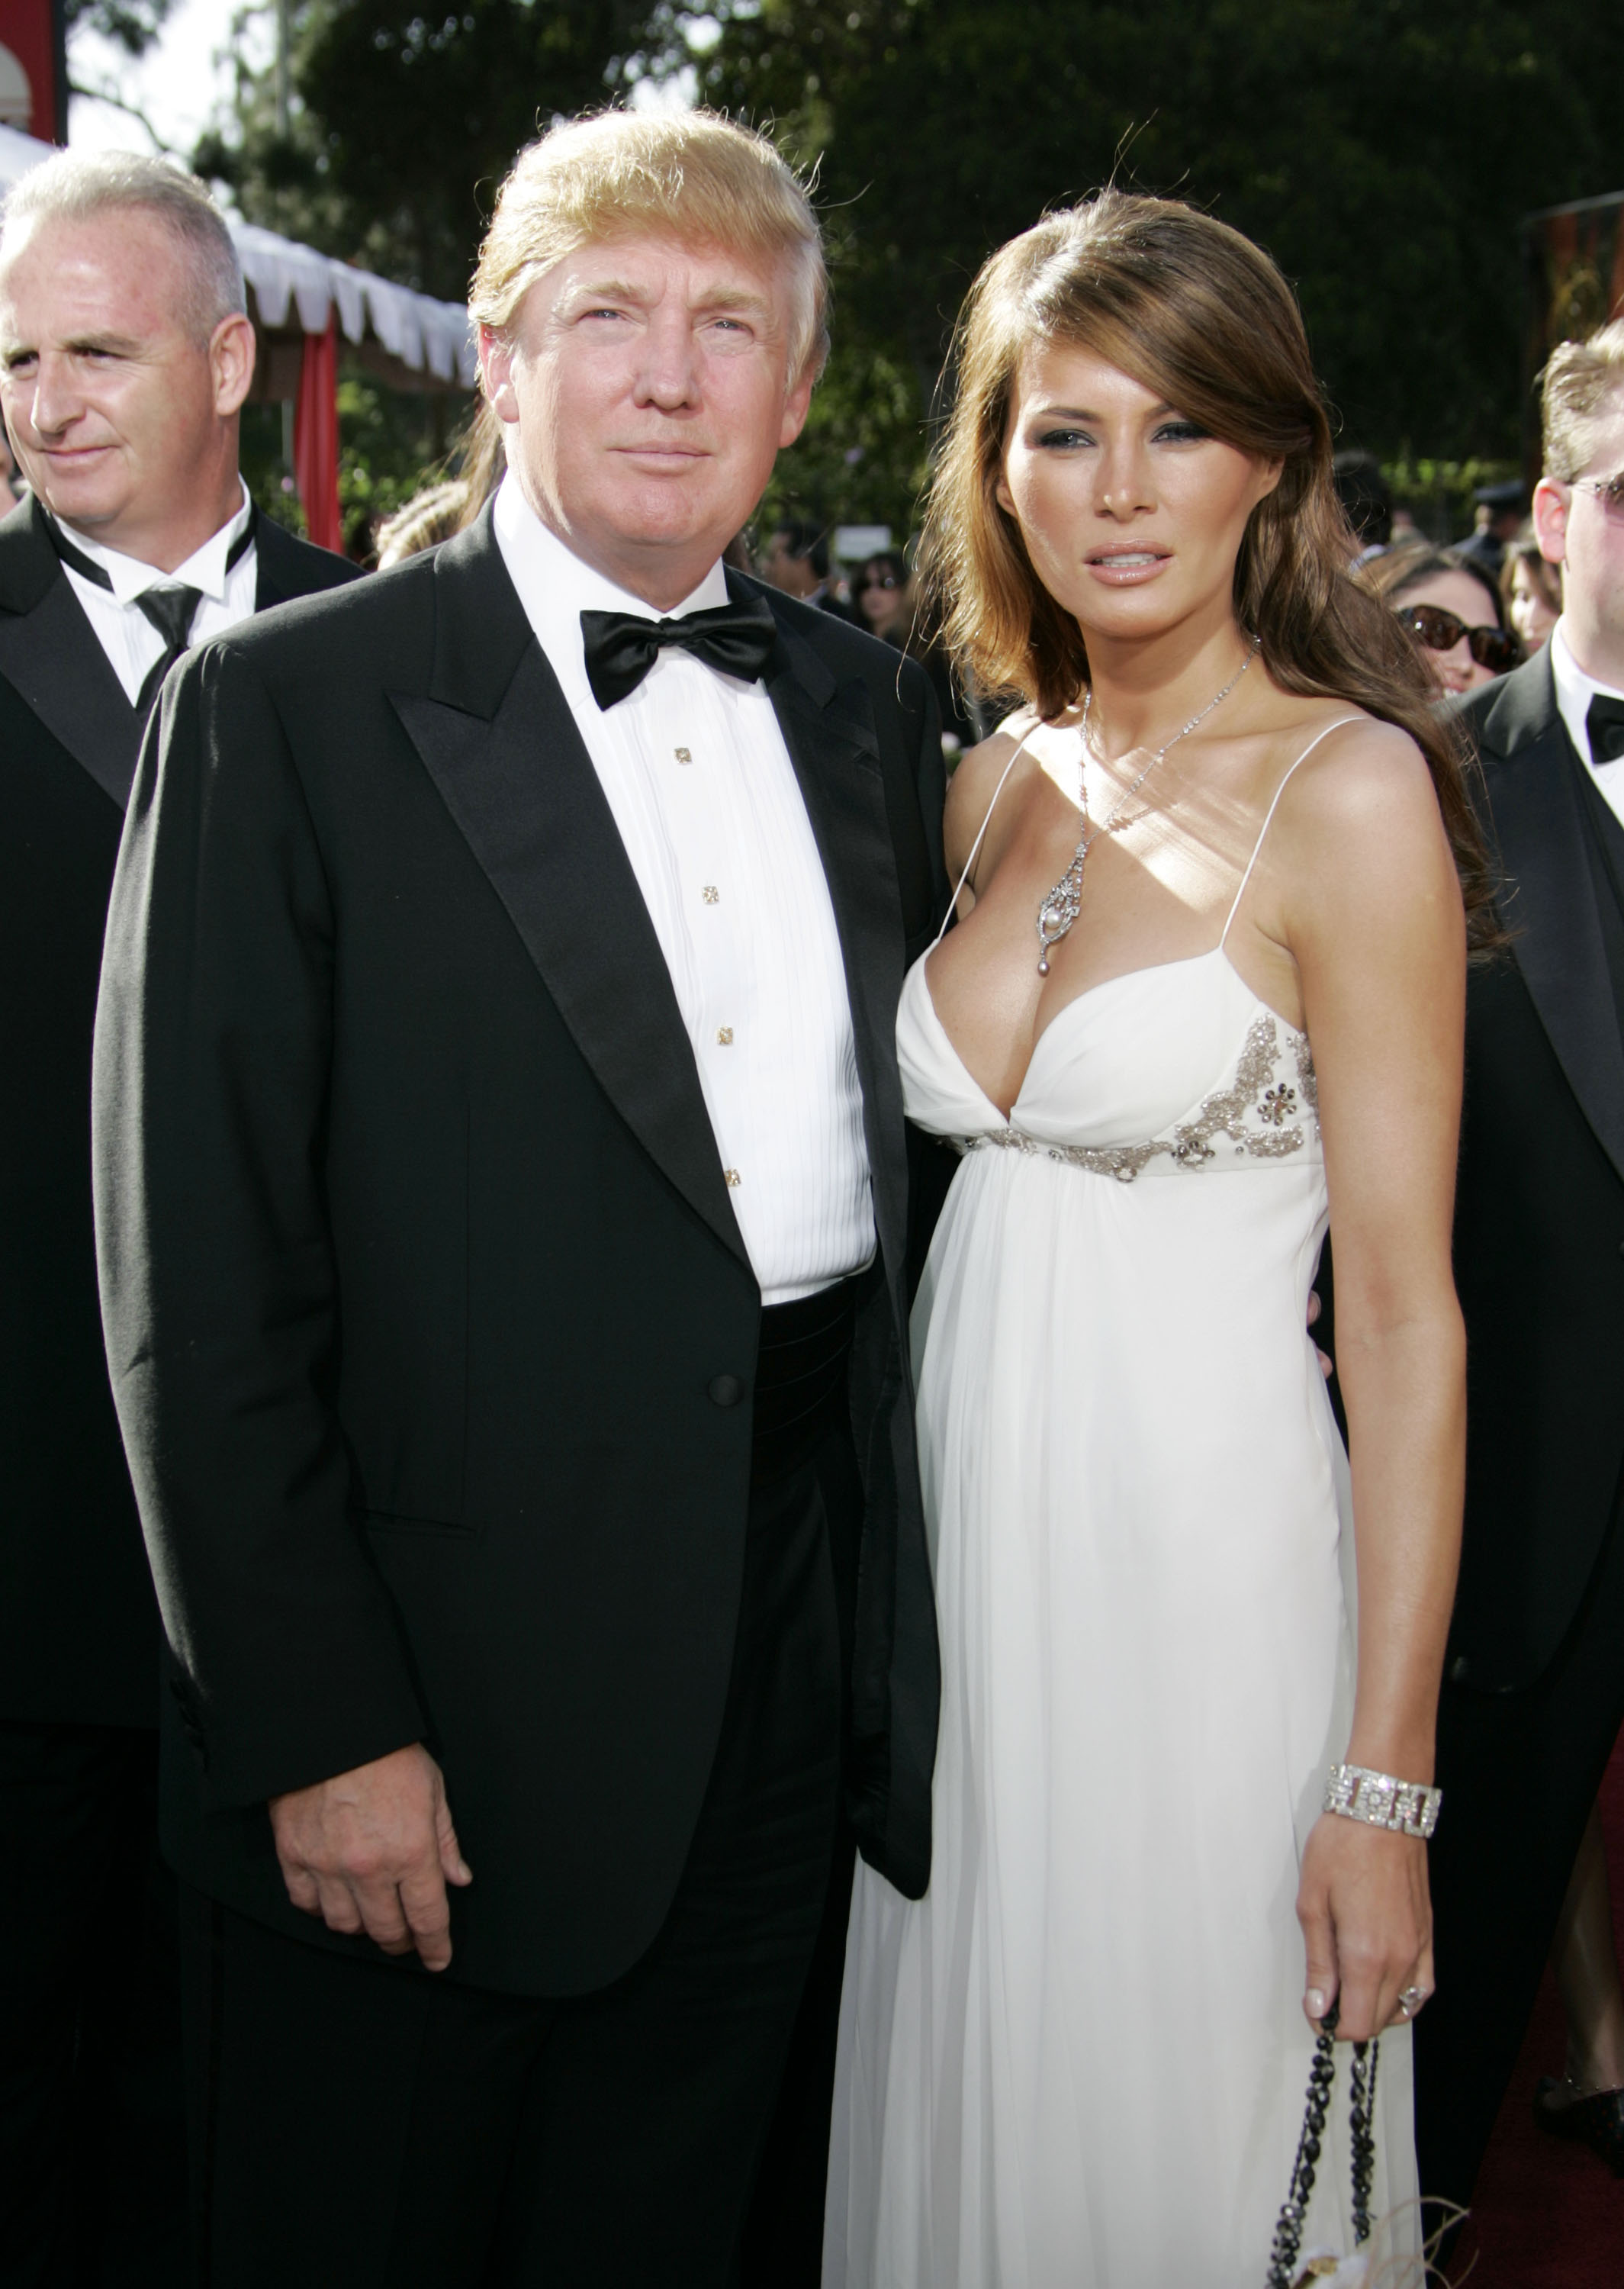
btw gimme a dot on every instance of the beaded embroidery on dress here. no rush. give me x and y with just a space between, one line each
1078 2062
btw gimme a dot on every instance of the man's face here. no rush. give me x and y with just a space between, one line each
114 405
1579 530
649 390
793 574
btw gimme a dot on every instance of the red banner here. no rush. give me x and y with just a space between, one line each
33 69
315 437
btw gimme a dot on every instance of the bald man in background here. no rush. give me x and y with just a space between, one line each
125 355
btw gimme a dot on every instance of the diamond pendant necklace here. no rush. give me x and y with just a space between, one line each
1064 902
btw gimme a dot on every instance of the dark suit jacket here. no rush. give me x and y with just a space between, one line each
78 1626
1540 1215
431 1330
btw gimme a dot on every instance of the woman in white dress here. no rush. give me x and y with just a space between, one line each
1225 826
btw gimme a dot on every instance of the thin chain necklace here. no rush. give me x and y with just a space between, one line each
1064 902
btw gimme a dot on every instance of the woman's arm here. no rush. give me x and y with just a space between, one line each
970 794
1372 913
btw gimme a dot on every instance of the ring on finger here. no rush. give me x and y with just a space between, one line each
1410 2001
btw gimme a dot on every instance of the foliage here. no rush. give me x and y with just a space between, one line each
1383 151
391 444
400 127
131 25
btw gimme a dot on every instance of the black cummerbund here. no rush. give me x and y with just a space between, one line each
800 1376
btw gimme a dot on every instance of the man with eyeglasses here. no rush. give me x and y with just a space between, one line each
1534 1690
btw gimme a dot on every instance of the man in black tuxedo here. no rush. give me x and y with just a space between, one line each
503 1203
1534 1687
125 356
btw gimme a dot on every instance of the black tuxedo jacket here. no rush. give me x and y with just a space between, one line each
431 1330
1540 1213
78 1626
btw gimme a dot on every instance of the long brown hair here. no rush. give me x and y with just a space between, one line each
1190 309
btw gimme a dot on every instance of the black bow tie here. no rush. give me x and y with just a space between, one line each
171 607
621 647
1605 724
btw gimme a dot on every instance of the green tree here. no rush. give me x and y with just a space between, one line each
1382 150
402 126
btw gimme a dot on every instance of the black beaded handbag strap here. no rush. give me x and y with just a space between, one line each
1362 2115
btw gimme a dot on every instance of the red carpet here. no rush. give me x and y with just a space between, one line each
1548 2215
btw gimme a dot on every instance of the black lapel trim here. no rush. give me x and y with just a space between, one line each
828 727
1551 908
495 734
53 658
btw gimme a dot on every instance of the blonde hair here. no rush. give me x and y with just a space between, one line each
1577 380
692 175
1195 312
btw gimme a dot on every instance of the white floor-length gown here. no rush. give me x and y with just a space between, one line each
1080 2061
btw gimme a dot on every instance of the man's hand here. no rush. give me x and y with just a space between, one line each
373 1851
1327 1365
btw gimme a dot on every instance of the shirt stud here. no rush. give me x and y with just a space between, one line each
683 754
724 1035
734 1179
713 896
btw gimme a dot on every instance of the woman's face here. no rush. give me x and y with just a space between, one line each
1532 617
1468 600
1132 515
882 596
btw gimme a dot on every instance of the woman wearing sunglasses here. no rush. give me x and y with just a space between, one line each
1453 609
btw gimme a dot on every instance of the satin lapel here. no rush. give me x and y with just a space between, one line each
1558 945
516 778
829 730
51 657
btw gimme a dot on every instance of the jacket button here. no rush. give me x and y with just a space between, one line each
725 1390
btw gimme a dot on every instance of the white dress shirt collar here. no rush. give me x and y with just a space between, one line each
556 586
1574 692
204 569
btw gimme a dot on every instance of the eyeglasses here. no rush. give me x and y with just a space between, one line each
1609 492
1495 649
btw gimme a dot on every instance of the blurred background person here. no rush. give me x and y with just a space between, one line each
1534 1678
1530 589
1499 510
796 562
1366 499
886 602
1451 606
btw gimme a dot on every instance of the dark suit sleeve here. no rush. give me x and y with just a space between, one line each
219 1294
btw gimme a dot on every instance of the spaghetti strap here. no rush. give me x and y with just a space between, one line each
1274 806
952 904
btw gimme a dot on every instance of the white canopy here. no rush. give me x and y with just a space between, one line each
424 335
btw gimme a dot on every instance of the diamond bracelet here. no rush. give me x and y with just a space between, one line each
1359 1794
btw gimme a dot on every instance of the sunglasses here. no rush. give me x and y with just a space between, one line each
1495 649
886 580
1608 491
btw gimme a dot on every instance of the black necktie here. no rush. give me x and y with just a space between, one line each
170 610
621 647
1605 724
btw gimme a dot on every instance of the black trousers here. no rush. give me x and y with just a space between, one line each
1519 1772
367 2125
92 2170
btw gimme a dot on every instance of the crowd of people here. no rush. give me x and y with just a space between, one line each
684 1600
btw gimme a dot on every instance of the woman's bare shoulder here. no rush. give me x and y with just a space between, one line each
1362 776
975 782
